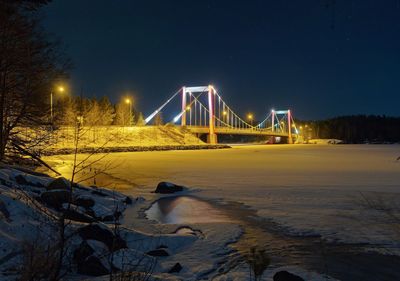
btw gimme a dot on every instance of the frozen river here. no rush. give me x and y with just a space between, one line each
340 193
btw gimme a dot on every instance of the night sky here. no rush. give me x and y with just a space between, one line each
321 58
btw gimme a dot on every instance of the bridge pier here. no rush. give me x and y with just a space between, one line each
212 139
290 138
212 136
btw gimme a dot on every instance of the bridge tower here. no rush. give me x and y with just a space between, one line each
183 118
212 136
289 117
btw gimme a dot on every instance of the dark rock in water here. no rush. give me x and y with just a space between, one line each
84 202
128 200
83 252
59 183
75 215
92 266
176 268
158 253
167 188
286 276
103 234
20 179
55 198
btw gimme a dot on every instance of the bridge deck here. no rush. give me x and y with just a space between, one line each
235 131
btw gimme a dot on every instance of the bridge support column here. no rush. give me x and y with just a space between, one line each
212 139
212 136
183 117
273 120
290 138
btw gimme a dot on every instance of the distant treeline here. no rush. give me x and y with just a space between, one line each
357 129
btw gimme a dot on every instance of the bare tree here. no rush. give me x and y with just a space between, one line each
29 64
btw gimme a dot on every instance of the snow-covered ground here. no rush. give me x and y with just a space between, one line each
120 136
307 189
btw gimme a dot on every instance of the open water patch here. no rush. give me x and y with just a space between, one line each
185 210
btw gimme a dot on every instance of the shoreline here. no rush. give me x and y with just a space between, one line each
85 150
285 250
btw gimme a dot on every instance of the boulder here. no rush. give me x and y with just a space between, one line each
176 268
20 179
167 188
128 200
99 193
102 233
286 276
55 198
158 253
92 266
84 201
75 215
4 211
82 252
59 183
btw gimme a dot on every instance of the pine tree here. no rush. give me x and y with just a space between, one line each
158 119
140 120
122 117
107 113
92 113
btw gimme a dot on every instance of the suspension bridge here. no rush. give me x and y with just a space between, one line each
203 111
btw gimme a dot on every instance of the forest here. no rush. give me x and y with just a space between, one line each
356 129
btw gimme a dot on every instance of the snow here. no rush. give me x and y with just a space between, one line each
120 136
307 190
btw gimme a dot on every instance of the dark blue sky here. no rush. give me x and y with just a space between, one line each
318 58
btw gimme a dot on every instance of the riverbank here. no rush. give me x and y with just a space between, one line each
91 150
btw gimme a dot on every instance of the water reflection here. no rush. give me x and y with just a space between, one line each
185 210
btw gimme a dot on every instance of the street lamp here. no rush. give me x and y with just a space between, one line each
129 102
59 89
250 117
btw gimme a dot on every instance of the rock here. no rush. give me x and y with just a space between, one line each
128 200
55 198
84 201
4 211
75 215
111 218
158 253
20 179
83 252
59 183
103 234
92 266
286 276
176 268
99 193
167 188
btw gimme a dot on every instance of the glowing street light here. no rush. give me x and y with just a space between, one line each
59 89
188 108
250 117
128 101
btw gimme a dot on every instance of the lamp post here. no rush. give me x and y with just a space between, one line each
59 89
129 102
250 117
